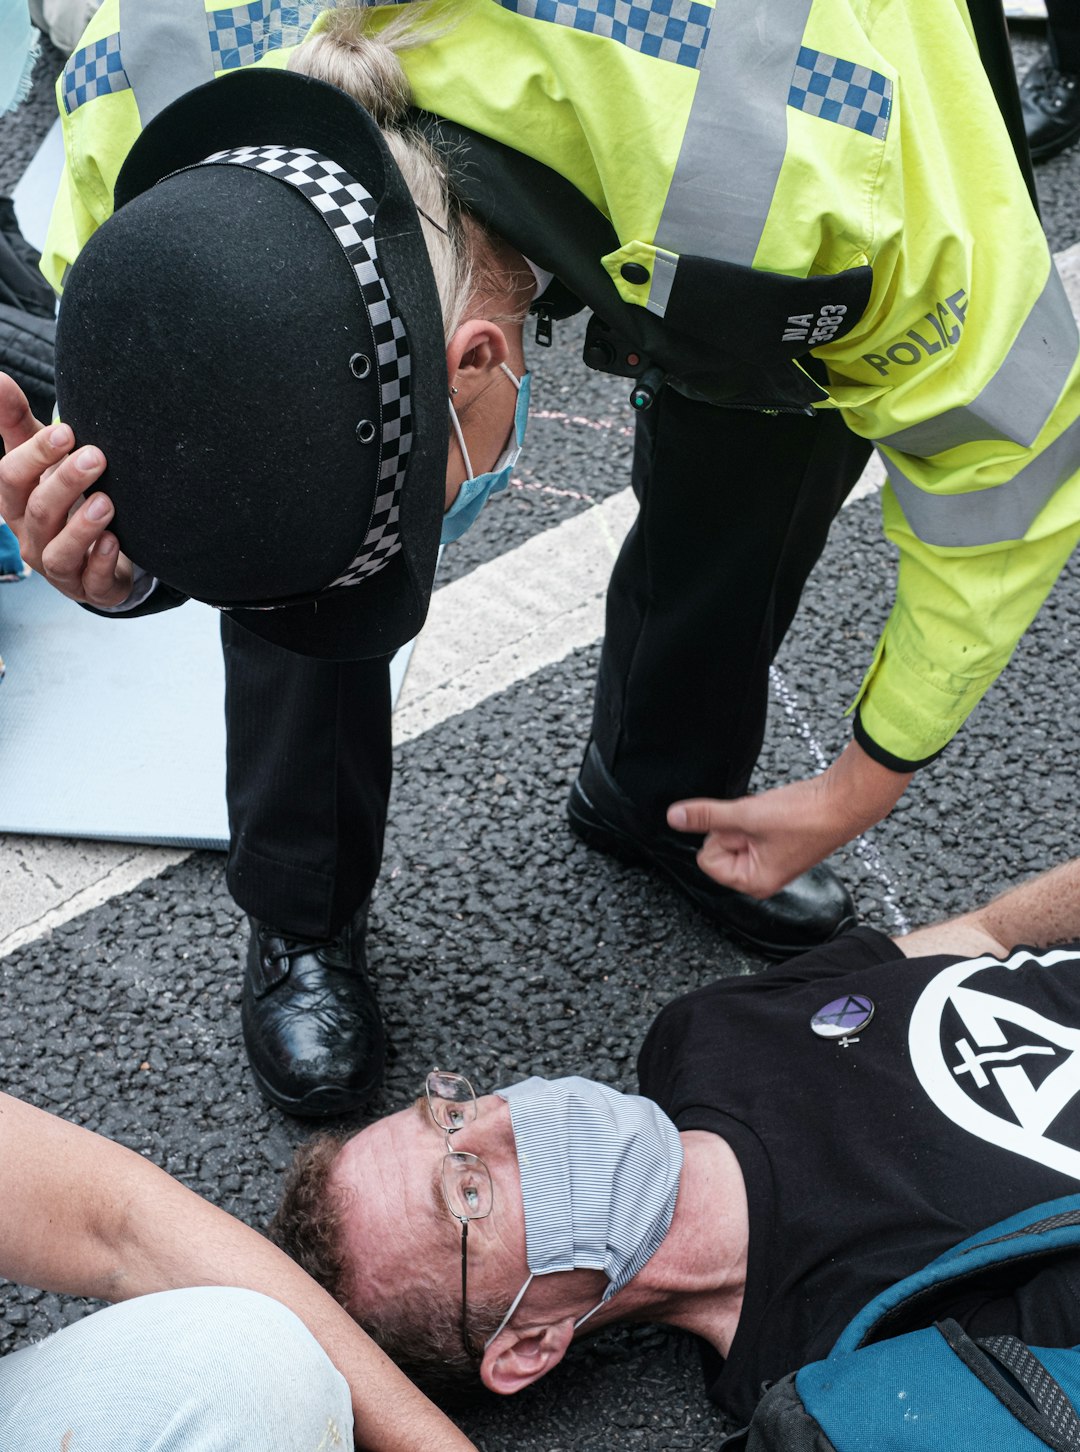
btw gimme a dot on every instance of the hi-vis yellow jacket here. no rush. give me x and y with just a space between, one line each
800 138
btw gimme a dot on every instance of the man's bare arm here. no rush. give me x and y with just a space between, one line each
85 1216
1041 911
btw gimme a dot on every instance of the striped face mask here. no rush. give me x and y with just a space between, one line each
599 1177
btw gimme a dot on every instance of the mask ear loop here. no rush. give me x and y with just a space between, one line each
456 425
582 1319
461 440
514 1304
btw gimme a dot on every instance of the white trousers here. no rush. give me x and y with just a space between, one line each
202 1370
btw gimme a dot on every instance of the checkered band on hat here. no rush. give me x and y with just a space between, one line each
349 211
841 91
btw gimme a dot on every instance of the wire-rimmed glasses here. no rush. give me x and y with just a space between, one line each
466 1180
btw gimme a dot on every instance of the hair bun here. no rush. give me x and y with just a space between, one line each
347 53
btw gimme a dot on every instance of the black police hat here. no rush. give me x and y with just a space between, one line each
255 342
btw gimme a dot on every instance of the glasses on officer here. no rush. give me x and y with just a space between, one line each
466 1180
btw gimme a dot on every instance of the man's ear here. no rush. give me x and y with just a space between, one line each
516 1359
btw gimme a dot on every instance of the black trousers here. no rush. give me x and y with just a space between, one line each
308 782
735 510
1063 33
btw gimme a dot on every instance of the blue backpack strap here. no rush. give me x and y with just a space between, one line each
1037 1233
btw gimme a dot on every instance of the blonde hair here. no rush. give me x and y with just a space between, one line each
349 53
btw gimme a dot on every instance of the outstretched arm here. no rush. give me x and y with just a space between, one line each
85 1216
1041 911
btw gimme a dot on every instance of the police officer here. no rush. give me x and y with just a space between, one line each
806 242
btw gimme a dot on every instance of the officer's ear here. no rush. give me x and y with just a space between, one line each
515 1359
476 347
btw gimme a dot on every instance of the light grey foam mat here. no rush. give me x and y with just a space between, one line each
113 729
33 196
110 728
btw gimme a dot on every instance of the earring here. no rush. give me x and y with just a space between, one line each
453 391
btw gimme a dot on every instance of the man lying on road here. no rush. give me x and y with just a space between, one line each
811 1134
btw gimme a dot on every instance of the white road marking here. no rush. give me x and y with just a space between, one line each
46 881
509 619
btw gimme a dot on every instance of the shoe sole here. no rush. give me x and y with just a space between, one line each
1053 148
325 1101
596 834
626 849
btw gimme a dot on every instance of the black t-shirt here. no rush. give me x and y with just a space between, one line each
957 1105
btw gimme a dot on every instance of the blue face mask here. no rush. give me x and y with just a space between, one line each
599 1179
478 489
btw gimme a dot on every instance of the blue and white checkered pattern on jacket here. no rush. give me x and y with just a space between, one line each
241 36
671 30
841 91
95 70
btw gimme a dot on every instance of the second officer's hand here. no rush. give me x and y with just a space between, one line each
47 497
758 844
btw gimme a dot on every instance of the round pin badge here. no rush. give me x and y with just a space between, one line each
843 1016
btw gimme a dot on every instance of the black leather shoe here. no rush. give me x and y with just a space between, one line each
312 1028
1050 100
809 911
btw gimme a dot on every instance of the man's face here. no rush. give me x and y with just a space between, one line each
398 1233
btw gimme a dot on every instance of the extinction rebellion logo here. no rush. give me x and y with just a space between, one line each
998 1068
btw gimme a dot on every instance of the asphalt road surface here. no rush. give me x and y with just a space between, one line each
502 946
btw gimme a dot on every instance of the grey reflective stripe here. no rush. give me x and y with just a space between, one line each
988 516
1020 397
663 279
166 51
736 135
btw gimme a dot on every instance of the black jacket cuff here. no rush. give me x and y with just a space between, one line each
886 758
164 597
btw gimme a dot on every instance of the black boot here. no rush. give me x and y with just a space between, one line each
312 1028
808 912
1050 100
